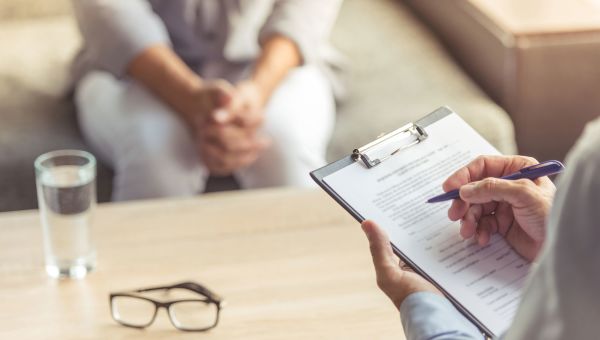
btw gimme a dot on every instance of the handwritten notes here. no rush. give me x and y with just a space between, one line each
487 281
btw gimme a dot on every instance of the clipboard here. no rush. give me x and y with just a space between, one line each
375 153
416 129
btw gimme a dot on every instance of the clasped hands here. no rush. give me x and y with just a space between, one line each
225 121
517 210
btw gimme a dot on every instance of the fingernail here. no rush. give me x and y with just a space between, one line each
221 115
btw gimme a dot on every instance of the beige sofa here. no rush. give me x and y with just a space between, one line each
398 72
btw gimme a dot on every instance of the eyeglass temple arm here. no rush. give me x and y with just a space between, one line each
189 285
200 289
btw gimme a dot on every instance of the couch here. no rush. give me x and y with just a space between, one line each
398 72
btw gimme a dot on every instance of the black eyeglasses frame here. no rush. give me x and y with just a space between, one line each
210 298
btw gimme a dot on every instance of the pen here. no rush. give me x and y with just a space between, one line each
546 168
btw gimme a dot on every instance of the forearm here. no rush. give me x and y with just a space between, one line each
162 72
279 55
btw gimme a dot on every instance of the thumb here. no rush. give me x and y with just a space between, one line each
223 92
379 244
252 118
516 193
222 95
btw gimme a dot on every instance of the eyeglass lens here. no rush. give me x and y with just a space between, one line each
133 311
185 315
193 315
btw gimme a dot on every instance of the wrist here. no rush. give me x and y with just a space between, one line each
256 90
410 284
186 93
399 299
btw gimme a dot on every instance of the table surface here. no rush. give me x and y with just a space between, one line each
290 264
541 16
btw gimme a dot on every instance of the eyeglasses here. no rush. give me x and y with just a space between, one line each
192 315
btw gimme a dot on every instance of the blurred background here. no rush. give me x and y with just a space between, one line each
525 74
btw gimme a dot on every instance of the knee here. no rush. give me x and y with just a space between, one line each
152 147
284 163
301 113
156 157
151 132
93 88
292 143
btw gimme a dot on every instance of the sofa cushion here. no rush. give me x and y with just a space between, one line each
35 112
28 9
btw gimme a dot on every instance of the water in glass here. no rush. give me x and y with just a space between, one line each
67 198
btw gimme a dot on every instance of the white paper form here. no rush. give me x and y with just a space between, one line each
487 281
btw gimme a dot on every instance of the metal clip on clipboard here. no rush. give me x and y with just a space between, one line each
389 144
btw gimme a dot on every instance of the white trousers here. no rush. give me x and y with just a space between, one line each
153 153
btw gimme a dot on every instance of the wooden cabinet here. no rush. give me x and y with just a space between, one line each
538 59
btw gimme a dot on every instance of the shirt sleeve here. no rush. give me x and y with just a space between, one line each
116 31
306 22
430 316
560 300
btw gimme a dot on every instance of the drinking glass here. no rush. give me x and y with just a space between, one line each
66 190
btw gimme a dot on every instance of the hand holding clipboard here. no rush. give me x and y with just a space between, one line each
389 180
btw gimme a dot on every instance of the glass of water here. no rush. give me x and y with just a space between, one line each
66 189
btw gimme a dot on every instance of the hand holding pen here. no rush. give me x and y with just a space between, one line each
515 206
531 172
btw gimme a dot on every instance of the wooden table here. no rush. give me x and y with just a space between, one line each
291 265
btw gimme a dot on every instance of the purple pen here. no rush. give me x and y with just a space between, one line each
546 168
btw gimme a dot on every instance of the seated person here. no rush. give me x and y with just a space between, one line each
170 91
560 234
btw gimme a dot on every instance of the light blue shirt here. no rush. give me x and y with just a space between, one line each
430 316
